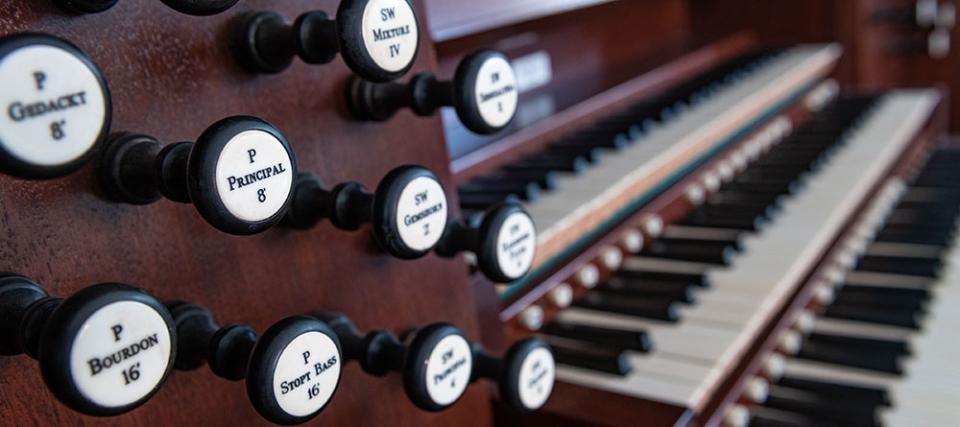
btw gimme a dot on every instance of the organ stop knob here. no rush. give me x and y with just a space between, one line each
408 210
483 91
239 174
436 361
56 104
503 239
378 39
292 371
103 351
525 374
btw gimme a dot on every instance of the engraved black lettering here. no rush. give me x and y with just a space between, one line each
320 368
117 329
291 385
387 14
252 153
380 35
413 219
394 50
439 378
237 182
20 111
39 77
100 364
484 97
306 357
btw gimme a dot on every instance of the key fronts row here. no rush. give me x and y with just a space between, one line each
240 174
107 349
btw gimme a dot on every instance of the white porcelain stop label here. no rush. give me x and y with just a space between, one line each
120 354
254 175
390 33
537 373
421 213
496 92
307 374
516 244
448 369
54 106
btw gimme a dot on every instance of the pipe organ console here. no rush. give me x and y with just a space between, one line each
447 212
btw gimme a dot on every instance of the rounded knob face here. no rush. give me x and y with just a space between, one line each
531 372
438 367
107 349
241 175
380 38
487 93
56 106
411 207
295 370
510 243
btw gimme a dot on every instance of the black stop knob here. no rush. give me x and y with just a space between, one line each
408 210
56 106
292 372
483 91
239 174
103 351
86 6
435 361
378 39
200 7
503 239
525 374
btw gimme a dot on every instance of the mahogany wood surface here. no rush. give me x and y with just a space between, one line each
171 76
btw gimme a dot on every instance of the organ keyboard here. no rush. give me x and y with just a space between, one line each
450 212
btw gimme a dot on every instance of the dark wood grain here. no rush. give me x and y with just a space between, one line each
171 75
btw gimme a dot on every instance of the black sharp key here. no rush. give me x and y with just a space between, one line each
865 291
913 236
696 251
902 318
820 410
613 142
874 359
591 154
479 202
735 244
526 190
735 222
616 338
529 193
649 308
553 162
768 187
611 361
679 292
899 347
700 280
738 209
838 390
735 197
546 179
917 216
926 267
776 175
880 301
777 418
